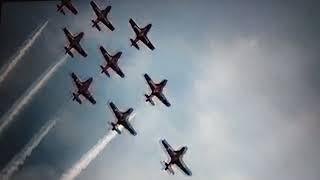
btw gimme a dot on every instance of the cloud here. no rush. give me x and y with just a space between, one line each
249 116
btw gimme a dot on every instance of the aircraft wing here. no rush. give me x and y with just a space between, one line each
118 55
71 8
115 110
149 81
95 7
129 127
105 54
80 50
163 99
183 167
118 71
68 34
134 26
76 79
167 147
106 22
88 82
147 42
89 97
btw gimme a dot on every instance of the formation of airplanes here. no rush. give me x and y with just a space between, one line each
82 87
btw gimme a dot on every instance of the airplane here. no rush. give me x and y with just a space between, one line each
122 119
156 91
83 89
141 34
175 158
101 16
68 4
112 62
74 42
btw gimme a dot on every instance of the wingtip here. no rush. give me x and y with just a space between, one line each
110 103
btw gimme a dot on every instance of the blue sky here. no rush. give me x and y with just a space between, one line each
242 80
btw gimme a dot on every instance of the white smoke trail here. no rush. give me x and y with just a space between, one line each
8 117
20 158
4 72
86 159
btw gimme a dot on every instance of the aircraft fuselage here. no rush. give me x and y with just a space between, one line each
81 89
74 42
157 89
101 15
112 62
141 34
175 157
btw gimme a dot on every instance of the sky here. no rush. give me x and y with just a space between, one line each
243 81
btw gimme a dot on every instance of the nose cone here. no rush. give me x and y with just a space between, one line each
73 75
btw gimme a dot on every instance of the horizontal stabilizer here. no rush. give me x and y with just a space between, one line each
167 167
95 24
68 51
60 8
76 98
115 128
149 99
133 43
104 70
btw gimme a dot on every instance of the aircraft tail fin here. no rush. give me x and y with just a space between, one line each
133 43
167 167
104 70
115 128
76 98
68 51
96 25
149 99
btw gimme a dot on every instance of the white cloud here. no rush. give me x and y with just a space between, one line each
244 111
